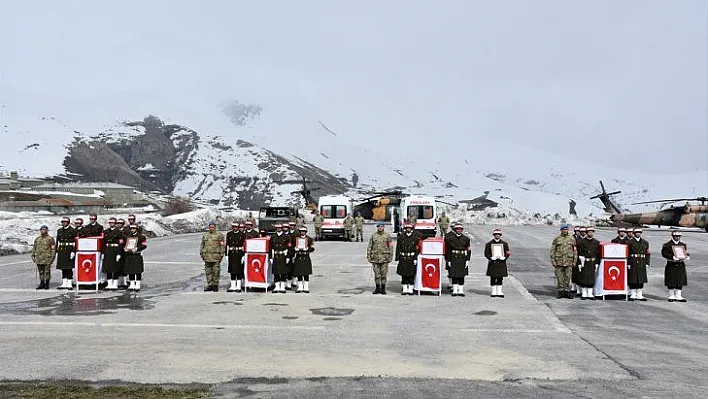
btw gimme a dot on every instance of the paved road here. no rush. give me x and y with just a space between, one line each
341 340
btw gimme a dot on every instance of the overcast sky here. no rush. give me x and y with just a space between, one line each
624 82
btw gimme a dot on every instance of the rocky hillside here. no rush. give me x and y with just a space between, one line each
171 158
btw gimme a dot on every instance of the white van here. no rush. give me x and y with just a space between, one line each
424 209
334 208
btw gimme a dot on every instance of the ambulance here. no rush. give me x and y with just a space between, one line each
423 208
334 208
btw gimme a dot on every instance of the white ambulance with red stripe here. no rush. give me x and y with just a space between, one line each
425 210
334 208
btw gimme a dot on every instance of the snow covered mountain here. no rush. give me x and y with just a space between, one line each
237 154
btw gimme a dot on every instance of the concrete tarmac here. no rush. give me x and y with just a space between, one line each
342 340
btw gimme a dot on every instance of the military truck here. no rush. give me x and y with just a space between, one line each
268 216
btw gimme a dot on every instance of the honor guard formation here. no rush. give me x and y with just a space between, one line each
575 258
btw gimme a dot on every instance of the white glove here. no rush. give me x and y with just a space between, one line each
467 264
415 262
243 260
596 266
117 258
72 255
688 258
502 258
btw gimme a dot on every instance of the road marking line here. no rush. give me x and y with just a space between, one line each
158 325
16 263
550 316
507 330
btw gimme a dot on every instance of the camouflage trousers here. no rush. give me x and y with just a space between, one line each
213 272
347 234
563 275
380 272
443 231
360 234
45 272
318 231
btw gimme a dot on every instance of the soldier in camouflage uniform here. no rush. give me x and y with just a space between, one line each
212 252
637 263
348 224
590 251
412 218
407 250
563 257
621 236
318 220
65 253
458 253
280 256
43 252
300 222
675 277
379 254
359 227
443 224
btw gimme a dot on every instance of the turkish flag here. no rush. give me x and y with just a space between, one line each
430 272
256 267
87 267
614 271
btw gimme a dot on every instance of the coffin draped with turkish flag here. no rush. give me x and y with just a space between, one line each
256 261
428 276
611 276
87 266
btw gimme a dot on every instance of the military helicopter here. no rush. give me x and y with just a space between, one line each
380 205
306 192
688 215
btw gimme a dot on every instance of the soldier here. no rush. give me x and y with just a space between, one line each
234 251
675 271
293 233
318 220
250 219
300 222
112 253
65 253
564 255
407 250
212 252
579 241
621 236
359 227
447 265
443 224
630 234
379 254
590 251
496 265
301 263
458 253
134 265
93 229
81 231
250 232
639 258
280 257
132 221
576 232
43 252
348 224
122 276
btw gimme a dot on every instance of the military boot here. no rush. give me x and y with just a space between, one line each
378 289
209 288
383 289
216 288
560 295
569 294
40 286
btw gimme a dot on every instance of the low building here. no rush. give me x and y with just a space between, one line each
112 193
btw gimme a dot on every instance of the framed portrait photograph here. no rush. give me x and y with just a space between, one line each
679 251
301 244
131 244
497 251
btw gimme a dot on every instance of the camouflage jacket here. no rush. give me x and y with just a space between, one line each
212 246
444 222
43 250
563 251
379 249
359 222
348 222
318 220
412 219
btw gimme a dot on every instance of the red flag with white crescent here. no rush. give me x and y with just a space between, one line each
86 264
256 267
430 272
614 274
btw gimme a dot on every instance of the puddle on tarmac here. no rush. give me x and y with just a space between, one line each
227 303
275 304
332 318
486 313
332 312
289 317
77 305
